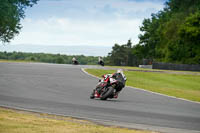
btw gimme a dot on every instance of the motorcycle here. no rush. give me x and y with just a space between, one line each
75 62
106 88
101 63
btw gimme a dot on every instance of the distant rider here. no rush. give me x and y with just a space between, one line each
101 61
74 61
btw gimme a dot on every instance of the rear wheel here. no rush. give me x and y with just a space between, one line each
107 93
92 97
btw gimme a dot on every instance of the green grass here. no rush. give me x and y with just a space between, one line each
16 61
15 121
185 86
147 69
127 67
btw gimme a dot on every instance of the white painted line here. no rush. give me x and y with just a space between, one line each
147 90
82 69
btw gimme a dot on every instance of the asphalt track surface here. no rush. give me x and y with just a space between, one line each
65 90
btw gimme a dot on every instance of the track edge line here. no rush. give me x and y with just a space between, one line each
83 70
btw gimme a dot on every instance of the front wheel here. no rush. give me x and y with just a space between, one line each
106 94
92 95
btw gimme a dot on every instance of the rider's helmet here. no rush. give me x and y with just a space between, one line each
121 72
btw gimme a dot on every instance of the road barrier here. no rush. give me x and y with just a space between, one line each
170 66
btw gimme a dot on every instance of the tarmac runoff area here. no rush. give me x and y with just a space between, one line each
65 89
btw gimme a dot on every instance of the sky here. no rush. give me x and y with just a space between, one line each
85 22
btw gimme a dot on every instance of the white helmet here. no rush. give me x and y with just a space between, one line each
120 71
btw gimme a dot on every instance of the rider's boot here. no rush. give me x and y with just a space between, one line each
115 95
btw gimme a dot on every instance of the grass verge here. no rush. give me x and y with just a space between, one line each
179 85
15 121
128 68
17 61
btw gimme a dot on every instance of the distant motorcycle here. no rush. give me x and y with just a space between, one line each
101 63
75 62
107 88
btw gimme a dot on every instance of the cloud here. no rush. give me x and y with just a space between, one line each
95 9
61 31
84 22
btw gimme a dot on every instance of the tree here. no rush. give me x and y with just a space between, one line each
190 33
172 35
190 30
11 12
121 55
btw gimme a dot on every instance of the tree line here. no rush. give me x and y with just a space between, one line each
171 35
49 58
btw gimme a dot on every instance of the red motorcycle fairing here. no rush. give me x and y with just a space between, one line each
96 94
103 84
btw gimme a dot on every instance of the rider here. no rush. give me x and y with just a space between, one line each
100 60
121 78
74 61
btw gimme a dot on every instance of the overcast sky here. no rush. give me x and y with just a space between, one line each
85 22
